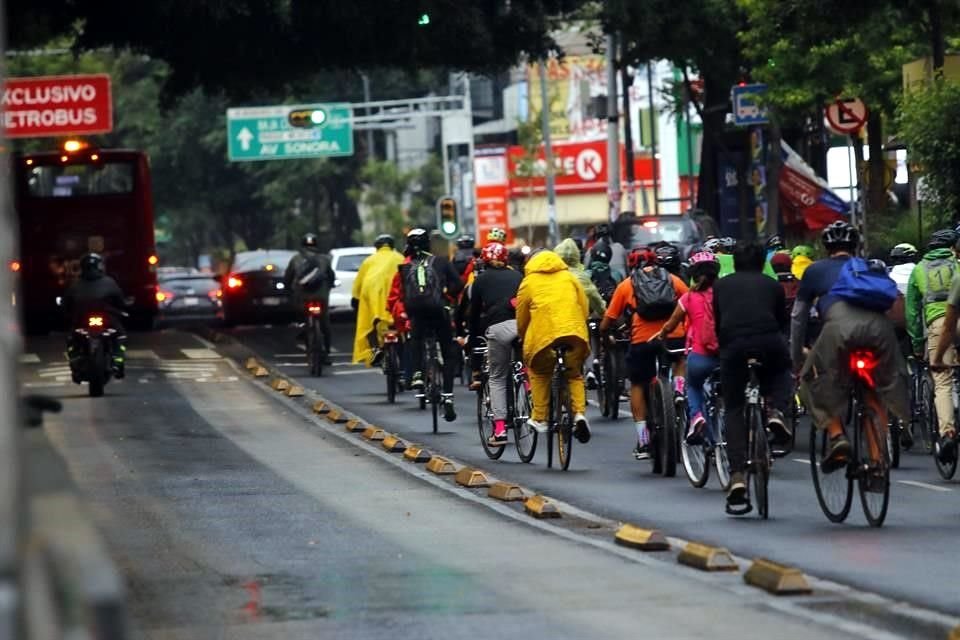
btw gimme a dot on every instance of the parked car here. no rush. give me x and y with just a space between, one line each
188 297
679 230
346 263
253 288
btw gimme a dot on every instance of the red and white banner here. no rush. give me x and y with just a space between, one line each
492 184
57 106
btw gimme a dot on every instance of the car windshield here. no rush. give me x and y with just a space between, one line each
200 284
351 261
653 231
267 261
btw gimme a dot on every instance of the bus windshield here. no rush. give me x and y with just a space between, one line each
75 180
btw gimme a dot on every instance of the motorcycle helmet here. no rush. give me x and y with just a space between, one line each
309 241
418 239
91 266
465 242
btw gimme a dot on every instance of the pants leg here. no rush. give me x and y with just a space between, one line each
699 368
419 330
578 390
540 369
733 379
500 339
942 379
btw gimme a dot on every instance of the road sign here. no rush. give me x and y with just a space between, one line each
847 115
288 132
746 109
57 106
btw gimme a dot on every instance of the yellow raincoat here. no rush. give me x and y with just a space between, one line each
371 288
552 306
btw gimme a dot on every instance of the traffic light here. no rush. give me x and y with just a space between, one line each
307 118
448 218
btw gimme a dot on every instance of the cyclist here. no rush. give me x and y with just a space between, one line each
902 260
802 256
493 314
824 384
95 291
926 306
603 277
750 317
724 250
659 290
369 299
552 309
428 282
668 257
782 266
695 309
774 245
464 255
496 234
618 255
310 276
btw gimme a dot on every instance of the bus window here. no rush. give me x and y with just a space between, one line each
72 180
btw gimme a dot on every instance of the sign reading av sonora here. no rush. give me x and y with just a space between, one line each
281 133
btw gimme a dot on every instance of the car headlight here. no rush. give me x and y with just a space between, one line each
336 283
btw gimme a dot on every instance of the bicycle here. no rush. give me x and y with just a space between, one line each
662 419
560 412
759 459
432 381
872 472
696 458
392 363
518 410
316 353
946 469
923 411
611 380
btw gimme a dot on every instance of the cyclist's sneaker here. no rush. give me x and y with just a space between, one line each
947 447
695 432
679 385
536 425
838 455
417 381
738 504
591 380
498 440
778 428
641 452
377 358
581 428
449 413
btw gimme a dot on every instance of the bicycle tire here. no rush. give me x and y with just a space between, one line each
694 457
946 469
390 371
929 427
524 436
614 387
893 442
759 468
874 502
565 428
485 422
603 380
666 427
834 490
721 461
433 384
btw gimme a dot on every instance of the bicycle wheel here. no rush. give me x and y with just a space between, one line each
314 352
759 460
564 427
893 442
614 387
666 427
485 422
694 457
603 380
391 369
524 435
834 490
873 480
434 377
946 469
928 423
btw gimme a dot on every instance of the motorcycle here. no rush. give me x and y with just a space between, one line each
92 351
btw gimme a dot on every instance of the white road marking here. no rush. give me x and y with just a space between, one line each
201 354
291 364
142 354
29 358
924 485
354 372
43 385
801 460
289 355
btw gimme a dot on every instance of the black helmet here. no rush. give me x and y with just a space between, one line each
418 239
309 241
91 266
942 239
600 252
384 239
840 235
775 243
466 241
668 257
728 244
903 253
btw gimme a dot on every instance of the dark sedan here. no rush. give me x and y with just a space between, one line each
189 297
679 230
254 291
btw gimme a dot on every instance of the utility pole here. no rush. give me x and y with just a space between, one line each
613 141
366 98
626 80
653 141
552 231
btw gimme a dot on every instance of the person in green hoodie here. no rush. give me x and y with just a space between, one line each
569 252
926 308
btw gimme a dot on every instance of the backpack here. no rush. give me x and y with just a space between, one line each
864 287
603 278
312 274
938 276
421 285
654 294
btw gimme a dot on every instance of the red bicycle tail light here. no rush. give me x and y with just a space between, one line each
233 282
862 364
314 308
391 337
95 321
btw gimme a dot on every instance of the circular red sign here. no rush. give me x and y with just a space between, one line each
847 116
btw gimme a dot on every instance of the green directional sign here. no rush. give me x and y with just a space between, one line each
287 132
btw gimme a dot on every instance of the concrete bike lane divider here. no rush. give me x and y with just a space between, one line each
707 558
643 539
776 578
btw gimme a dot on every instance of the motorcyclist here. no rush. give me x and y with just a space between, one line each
310 276
96 292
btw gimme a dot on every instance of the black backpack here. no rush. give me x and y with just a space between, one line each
312 274
654 293
422 288
605 282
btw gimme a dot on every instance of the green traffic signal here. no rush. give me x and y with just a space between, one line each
424 19
448 220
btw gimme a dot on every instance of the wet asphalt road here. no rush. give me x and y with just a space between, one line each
233 517
910 558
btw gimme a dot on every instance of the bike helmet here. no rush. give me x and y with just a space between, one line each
309 241
640 257
600 252
802 250
942 239
728 244
495 254
418 239
775 243
384 239
903 253
601 231
712 245
668 257
704 263
465 242
91 266
840 235
496 235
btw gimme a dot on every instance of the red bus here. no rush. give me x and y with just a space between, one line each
80 200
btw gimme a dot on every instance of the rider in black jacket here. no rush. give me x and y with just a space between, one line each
96 292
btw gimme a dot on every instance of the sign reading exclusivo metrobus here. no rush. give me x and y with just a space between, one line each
57 106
